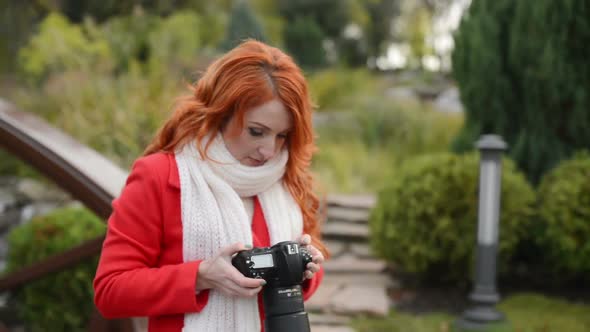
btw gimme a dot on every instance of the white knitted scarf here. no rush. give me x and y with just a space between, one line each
214 216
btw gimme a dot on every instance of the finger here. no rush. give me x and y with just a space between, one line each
237 290
318 259
245 282
231 288
305 239
313 267
308 274
316 255
249 292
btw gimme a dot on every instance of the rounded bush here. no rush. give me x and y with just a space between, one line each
425 220
60 301
564 213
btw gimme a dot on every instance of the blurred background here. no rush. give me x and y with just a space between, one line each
403 90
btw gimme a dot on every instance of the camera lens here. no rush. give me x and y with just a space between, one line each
283 307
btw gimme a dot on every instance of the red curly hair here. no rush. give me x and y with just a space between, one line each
251 74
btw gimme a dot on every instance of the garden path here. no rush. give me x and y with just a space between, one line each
355 282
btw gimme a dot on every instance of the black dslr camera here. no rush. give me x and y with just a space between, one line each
282 266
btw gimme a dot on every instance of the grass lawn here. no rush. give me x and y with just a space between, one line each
525 313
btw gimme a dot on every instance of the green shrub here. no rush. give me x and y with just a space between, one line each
128 38
426 218
360 148
332 89
62 46
12 166
564 211
115 115
60 301
175 40
352 167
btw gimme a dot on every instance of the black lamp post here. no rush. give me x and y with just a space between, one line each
484 296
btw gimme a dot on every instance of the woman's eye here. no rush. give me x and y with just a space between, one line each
255 132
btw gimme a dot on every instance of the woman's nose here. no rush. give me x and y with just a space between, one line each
267 149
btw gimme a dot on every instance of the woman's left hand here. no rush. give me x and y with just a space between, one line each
317 258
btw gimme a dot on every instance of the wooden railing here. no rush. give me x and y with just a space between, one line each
85 174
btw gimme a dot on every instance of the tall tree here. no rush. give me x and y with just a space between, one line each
304 41
523 72
243 24
378 29
330 15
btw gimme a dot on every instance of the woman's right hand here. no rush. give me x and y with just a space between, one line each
218 273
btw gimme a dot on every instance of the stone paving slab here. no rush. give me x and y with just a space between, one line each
335 247
320 301
361 250
354 300
357 201
345 231
341 213
328 319
350 263
360 278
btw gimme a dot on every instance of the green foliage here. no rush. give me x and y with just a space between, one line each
212 29
129 38
533 312
378 27
15 29
352 167
115 115
334 89
426 218
403 322
62 46
243 25
419 26
353 52
330 15
365 141
304 42
176 39
564 210
405 131
13 166
99 10
272 22
537 96
327 20
61 301
524 312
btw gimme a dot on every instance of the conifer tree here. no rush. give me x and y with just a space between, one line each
243 25
523 71
304 41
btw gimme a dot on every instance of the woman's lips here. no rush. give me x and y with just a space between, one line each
255 162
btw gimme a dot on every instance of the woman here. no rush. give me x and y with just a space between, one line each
229 170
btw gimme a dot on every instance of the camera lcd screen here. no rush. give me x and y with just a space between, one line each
262 261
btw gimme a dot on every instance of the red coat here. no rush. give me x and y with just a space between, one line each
141 271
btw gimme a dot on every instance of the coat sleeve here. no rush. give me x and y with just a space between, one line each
128 281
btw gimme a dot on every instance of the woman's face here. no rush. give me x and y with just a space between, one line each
263 135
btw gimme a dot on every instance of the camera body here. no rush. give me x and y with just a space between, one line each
282 266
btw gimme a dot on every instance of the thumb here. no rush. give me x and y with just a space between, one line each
234 248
